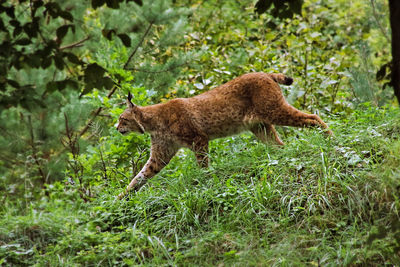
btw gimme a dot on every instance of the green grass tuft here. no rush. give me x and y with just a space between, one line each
316 201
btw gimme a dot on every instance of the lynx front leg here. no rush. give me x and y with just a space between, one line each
159 158
201 152
290 116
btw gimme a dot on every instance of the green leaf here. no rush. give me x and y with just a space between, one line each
53 9
315 34
93 78
384 71
295 6
72 83
97 3
46 62
51 87
284 13
66 15
2 27
381 73
87 89
125 39
93 72
37 4
10 11
59 62
13 83
23 41
14 23
107 33
354 159
262 6
17 31
138 2
112 4
108 83
33 61
60 85
30 30
62 31
51 45
73 58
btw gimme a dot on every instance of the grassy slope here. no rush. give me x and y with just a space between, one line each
314 201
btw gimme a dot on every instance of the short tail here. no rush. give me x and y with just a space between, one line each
281 78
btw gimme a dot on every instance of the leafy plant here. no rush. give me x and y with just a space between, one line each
317 201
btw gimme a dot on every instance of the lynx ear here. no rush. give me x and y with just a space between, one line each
129 102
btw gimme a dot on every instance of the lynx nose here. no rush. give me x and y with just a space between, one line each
122 131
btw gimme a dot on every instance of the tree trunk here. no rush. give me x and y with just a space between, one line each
394 7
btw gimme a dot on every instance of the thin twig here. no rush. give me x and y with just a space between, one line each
96 113
305 78
336 89
103 164
76 44
377 21
139 44
34 151
158 71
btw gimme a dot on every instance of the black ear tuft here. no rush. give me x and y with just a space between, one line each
129 102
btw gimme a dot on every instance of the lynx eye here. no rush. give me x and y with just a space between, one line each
123 121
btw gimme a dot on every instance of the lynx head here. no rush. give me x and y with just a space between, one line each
129 119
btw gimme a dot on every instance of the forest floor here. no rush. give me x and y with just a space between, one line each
317 201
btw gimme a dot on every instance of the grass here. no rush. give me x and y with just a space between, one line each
317 201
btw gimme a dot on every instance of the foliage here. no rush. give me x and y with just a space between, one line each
319 51
316 201
34 35
281 9
49 130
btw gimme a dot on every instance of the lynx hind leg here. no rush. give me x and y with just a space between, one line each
290 116
266 133
159 158
200 149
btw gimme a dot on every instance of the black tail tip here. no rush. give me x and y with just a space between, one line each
288 80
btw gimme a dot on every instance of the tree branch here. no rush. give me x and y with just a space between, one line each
76 44
158 71
138 45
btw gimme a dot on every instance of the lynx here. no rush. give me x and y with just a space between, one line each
251 102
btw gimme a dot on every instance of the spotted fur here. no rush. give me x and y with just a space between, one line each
250 102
